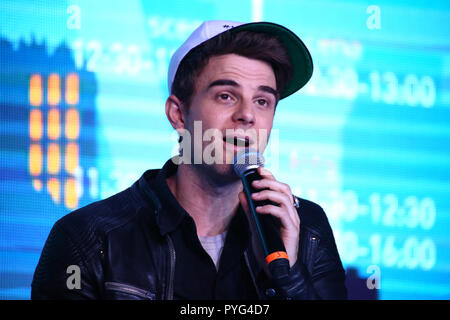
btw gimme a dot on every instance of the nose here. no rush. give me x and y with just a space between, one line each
244 113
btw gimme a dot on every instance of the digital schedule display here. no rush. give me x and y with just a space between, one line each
83 89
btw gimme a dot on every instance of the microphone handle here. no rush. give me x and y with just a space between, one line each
268 227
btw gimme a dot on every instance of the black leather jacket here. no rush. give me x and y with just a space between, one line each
121 251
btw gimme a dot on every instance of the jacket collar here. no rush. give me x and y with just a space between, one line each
169 213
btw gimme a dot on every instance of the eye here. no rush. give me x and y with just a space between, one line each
262 102
224 96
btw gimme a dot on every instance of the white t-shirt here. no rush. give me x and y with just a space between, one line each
214 246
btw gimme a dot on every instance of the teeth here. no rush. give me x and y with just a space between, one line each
240 142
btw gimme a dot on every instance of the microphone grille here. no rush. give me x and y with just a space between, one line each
247 159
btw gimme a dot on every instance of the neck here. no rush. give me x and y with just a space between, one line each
209 200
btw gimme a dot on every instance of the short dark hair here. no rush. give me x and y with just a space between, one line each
254 45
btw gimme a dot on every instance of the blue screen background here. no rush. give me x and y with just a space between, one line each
368 138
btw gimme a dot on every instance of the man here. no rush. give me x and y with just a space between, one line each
182 232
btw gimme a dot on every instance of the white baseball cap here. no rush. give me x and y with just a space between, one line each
299 54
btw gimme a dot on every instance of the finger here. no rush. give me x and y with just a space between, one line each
280 198
286 221
274 196
271 209
273 185
265 173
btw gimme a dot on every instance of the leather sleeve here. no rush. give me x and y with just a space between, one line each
326 282
328 274
56 274
296 285
318 272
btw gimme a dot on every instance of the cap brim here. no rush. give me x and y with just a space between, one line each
300 57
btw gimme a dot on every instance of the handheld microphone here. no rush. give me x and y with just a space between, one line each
245 165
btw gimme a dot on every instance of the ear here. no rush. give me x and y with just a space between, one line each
174 112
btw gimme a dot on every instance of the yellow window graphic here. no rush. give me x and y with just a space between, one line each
53 124
72 89
35 124
35 92
72 124
53 90
55 158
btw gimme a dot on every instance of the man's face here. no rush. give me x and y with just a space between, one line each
235 99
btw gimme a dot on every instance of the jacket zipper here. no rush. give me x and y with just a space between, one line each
172 257
313 240
126 288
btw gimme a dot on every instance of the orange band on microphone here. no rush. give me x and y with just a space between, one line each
276 255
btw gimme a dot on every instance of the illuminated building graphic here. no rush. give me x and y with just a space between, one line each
49 120
58 157
48 159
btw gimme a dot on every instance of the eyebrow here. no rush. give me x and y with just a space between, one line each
227 82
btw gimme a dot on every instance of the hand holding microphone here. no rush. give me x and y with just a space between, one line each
271 204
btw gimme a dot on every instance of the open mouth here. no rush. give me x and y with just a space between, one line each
238 141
